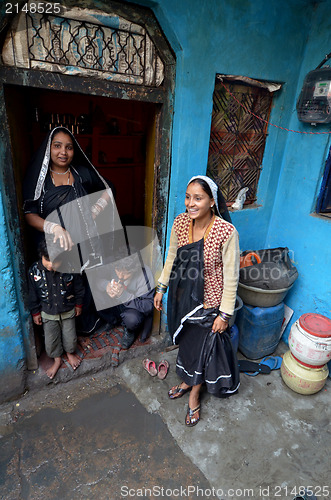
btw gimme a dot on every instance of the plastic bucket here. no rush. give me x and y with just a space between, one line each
310 339
259 330
234 337
261 298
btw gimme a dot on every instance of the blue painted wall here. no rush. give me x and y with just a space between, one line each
235 38
293 221
279 42
12 356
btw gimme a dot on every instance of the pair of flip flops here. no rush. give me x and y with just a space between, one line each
265 366
161 371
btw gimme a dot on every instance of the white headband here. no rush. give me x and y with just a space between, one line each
213 187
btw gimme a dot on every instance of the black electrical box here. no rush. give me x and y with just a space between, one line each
314 103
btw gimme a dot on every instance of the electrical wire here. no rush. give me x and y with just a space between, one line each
269 123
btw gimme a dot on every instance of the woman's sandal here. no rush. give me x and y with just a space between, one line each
150 367
190 419
177 392
163 369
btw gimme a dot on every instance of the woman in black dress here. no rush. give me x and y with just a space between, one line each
59 204
202 271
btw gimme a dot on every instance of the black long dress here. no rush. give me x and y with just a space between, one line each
203 356
69 206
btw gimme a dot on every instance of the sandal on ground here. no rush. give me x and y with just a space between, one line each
162 369
251 368
274 362
192 416
150 367
177 392
264 366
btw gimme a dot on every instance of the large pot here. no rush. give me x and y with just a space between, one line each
261 298
301 378
272 270
310 339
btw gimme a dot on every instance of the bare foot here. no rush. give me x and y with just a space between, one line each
74 361
52 371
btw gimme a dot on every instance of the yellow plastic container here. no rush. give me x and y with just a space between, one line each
301 378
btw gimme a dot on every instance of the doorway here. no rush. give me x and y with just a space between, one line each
121 77
116 135
112 132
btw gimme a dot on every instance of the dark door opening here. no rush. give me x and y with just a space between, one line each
117 135
112 132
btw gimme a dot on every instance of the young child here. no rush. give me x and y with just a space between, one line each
55 299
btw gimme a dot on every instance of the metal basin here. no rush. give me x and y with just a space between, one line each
261 298
238 306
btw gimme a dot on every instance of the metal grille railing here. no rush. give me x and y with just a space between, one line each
126 53
237 138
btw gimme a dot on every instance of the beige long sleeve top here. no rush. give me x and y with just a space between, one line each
221 260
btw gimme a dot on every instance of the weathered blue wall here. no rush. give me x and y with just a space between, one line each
292 223
12 315
12 356
279 41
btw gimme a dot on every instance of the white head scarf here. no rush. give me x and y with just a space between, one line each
213 187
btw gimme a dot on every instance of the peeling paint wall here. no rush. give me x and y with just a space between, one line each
12 356
13 320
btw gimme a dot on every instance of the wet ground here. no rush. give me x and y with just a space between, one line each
105 446
115 434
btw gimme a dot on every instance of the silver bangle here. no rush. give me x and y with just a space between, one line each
49 227
102 203
95 210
